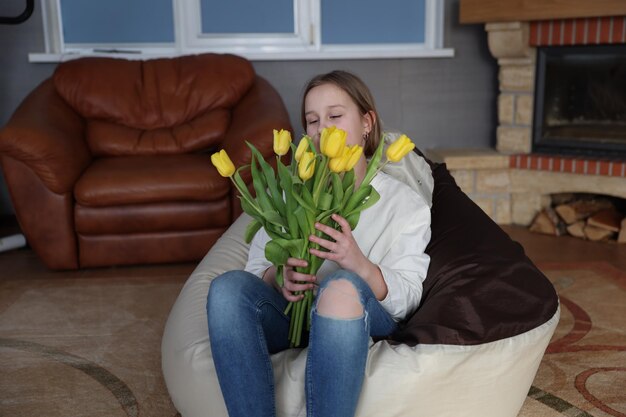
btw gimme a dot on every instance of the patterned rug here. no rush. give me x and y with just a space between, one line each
84 347
90 346
584 370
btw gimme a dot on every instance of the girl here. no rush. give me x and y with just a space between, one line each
371 279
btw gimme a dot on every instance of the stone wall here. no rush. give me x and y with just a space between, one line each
509 183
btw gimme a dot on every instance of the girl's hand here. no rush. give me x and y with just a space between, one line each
343 250
295 281
347 254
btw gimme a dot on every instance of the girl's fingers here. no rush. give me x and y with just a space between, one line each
345 226
326 244
295 262
296 282
324 255
335 234
298 287
289 296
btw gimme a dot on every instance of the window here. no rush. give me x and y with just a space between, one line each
258 30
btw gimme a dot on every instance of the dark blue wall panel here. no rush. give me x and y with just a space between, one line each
373 21
247 16
117 21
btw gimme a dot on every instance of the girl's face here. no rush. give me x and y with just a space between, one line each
328 105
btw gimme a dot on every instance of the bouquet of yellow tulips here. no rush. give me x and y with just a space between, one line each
290 200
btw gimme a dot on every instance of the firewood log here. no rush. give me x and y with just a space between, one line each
597 233
608 219
581 209
547 222
577 229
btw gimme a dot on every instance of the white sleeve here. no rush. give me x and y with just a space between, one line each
257 264
405 265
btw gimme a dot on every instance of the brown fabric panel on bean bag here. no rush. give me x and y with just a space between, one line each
480 285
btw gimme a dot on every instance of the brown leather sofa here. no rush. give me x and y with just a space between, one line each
108 161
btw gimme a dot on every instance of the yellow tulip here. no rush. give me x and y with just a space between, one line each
303 146
332 141
282 141
338 164
306 166
397 150
223 163
354 154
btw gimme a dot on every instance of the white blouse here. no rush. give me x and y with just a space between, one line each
392 234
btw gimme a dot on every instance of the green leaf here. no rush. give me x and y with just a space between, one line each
310 217
326 199
269 179
324 216
347 195
348 180
357 198
256 174
249 209
322 163
253 227
241 186
308 197
274 218
259 187
303 222
275 253
372 166
353 220
293 246
337 189
286 182
373 199
276 190
301 200
367 202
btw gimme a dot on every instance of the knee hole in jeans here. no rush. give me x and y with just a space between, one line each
339 299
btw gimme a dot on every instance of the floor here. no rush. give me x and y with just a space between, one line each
543 248
124 375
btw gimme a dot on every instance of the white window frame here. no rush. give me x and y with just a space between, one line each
304 44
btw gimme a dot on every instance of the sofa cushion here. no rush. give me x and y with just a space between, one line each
152 218
112 139
158 94
147 179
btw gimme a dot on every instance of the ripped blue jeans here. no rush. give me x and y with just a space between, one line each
246 325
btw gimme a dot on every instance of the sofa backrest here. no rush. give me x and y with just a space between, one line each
160 106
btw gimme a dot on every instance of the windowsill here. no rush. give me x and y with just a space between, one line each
326 53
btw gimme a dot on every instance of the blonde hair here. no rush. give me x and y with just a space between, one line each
360 95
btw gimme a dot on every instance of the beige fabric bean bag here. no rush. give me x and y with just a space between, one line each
471 349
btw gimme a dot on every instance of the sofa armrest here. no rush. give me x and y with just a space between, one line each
47 136
259 112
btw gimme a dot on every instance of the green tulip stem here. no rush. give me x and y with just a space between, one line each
378 169
245 197
317 187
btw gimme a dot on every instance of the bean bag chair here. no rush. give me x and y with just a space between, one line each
471 349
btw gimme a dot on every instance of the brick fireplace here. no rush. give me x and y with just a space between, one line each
510 182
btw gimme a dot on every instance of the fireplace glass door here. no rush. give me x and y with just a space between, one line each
580 101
